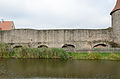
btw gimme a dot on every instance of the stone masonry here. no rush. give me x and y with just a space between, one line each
67 38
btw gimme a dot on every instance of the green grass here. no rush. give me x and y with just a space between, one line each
95 56
24 52
42 53
52 53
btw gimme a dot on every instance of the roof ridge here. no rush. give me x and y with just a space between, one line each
117 7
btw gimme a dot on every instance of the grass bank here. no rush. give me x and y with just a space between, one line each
50 53
95 56
41 53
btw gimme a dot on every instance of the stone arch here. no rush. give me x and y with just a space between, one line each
69 47
43 46
100 46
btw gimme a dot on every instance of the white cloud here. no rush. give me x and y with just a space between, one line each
57 13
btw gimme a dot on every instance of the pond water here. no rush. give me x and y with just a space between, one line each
58 69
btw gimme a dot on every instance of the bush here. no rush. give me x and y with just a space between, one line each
3 49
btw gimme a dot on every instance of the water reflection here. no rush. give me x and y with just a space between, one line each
57 69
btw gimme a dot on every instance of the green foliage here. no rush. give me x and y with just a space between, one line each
24 52
114 57
60 53
3 49
46 53
95 56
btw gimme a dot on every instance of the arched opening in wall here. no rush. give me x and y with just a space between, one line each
18 46
69 47
42 46
100 46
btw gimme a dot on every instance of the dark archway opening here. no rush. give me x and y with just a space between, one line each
69 47
42 46
18 47
100 46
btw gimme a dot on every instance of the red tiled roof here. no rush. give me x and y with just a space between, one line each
117 7
6 25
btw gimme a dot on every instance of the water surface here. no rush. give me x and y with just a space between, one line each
58 69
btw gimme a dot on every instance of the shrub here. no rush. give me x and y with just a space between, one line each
3 49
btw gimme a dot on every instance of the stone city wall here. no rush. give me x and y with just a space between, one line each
78 38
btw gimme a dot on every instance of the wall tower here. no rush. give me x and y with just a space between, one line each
116 22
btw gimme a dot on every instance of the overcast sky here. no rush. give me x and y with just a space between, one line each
58 14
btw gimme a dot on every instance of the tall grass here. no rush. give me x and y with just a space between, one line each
50 53
23 52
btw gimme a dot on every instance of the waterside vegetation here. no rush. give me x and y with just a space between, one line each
52 53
